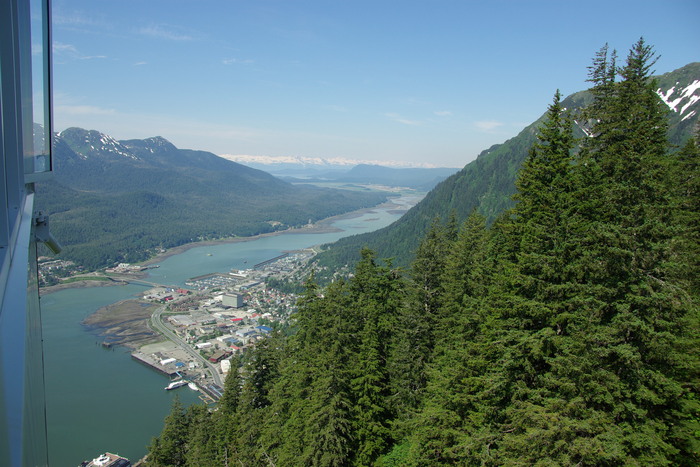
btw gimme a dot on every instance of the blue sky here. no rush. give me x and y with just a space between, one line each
424 82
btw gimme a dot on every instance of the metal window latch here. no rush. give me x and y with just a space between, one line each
42 233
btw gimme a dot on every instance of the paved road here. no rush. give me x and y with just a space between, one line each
158 324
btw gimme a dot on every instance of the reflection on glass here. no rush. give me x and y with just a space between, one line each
40 158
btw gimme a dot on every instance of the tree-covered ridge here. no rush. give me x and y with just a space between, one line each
488 183
114 201
565 333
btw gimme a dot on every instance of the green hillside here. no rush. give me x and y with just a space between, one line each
564 334
115 201
488 183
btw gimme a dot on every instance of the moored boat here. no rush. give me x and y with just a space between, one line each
175 384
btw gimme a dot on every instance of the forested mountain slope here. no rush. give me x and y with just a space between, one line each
565 333
488 183
113 201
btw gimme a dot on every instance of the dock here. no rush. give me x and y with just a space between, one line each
270 261
146 360
212 391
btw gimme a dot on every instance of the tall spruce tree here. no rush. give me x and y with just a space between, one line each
456 359
685 186
312 416
636 335
418 321
169 449
377 295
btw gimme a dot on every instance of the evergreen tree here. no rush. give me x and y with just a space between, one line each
201 439
376 294
259 375
528 311
417 323
312 411
457 360
685 185
225 420
636 319
170 447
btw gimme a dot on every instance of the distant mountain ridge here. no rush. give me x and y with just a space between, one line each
119 201
319 163
488 183
423 179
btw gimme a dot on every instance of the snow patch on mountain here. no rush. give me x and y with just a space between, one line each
688 97
319 161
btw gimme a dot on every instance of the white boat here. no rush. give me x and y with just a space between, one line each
175 384
192 386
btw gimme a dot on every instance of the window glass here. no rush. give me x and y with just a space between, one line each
40 158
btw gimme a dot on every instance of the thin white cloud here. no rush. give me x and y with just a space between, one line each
231 61
59 18
63 51
399 119
59 47
488 125
82 110
140 63
164 32
443 113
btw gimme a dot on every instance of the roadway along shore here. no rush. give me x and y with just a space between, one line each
159 326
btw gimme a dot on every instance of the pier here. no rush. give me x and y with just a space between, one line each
269 261
146 360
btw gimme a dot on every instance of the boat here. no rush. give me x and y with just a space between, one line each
192 386
175 384
107 460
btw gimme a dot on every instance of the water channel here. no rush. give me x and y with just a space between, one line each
100 399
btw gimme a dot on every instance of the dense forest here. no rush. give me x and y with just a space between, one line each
563 333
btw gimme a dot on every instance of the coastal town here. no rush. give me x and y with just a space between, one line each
216 318
196 326
198 332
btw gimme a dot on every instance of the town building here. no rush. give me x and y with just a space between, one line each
232 299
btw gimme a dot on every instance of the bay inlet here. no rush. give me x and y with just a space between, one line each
100 399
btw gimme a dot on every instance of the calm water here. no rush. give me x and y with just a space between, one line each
100 400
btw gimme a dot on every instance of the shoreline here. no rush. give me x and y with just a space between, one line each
322 226
124 323
188 246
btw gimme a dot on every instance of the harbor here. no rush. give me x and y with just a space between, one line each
114 379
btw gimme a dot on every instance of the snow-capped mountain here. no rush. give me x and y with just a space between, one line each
88 144
680 90
683 100
276 163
